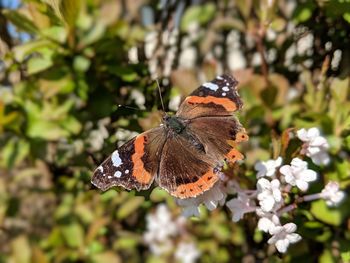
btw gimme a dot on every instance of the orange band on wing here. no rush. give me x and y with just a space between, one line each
139 172
193 189
234 155
228 104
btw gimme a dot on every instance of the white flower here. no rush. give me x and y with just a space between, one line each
331 194
268 221
297 174
210 199
160 248
139 98
96 137
304 45
315 146
269 193
240 206
283 236
160 229
174 102
187 252
160 225
267 168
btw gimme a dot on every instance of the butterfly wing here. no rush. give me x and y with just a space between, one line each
220 135
134 165
185 168
218 97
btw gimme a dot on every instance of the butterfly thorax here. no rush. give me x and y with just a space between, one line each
174 123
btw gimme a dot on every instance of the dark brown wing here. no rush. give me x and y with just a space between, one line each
185 169
220 136
134 165
218 97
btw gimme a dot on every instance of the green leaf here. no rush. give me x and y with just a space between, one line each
20 52
70 10
244 6
127 242
130 206
96 32
56 33
50 122
326 257
20 21
38 64
342 168
325 214
303 12
125 73
73 234
197 14
71 124
106 257
81 63
346 17
347 142
21 249
14 152
278 24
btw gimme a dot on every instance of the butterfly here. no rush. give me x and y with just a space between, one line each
184 155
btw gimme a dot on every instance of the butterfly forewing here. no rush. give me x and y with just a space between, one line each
218 97
134 165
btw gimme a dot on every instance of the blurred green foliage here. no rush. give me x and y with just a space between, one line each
59 115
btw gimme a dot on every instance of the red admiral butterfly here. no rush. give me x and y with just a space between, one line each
185 154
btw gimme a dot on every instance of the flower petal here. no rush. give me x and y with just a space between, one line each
286 170
313 132
265 224
309 175
290 227
293 238
282 245
302 134
302 185
263 184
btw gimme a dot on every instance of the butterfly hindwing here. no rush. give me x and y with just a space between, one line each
134 164
218 97
185 169
220 136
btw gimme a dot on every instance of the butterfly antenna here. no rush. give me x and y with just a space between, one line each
128 107
160 95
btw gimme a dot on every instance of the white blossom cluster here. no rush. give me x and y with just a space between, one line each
315 146
97 136
275 181
164 233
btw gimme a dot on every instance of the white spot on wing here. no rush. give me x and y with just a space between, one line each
219 77
223 94
211 86
126 171
100 168
225 88
117 174
116 159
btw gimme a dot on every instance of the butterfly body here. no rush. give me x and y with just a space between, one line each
185 154
174 123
